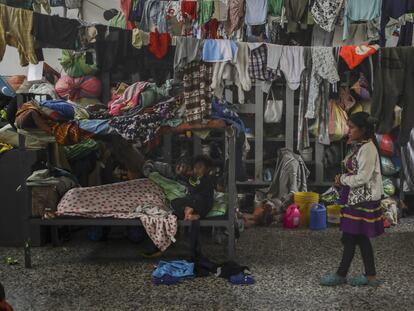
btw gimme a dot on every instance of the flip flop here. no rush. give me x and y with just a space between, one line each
332 280
165 280
241 279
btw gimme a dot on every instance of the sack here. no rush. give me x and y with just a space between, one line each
346 100
75 64
44 199
76 88
338 126
274 109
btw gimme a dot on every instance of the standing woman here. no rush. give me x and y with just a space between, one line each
361 192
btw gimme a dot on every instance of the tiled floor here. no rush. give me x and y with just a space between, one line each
287 265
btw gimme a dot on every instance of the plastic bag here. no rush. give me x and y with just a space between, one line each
274 109
75 64
338 118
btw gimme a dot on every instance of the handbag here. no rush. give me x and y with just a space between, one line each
274 109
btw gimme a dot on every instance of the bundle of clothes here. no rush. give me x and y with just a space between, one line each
173 272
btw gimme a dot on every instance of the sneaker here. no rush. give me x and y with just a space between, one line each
332 280
362 280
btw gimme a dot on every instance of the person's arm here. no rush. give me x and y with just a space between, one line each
366 158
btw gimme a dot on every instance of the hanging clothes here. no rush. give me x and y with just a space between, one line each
295 10
189 9
393 9
15 30
355 55
55 31
394 86
325 13
235 16
187 50
303 128
205 11
292 65
237 71
154 14
221 10
197 91
275 7
219 50
360 10
256 12
258 63
126 7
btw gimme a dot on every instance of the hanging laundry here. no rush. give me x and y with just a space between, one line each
303 129
394 86
256 12
55 32
20 4
15 30
187 50
258 63
219 50
292 65
325 13
221 10
57 3
354 55
126 6
235 16
360 10
209 29
323 68
275 7
197 91
393 9
189 9
205 11
154 16
159 43
73 4
238 72
136 11
274 54
295 10
39 4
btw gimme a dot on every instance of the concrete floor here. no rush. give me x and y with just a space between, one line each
287 266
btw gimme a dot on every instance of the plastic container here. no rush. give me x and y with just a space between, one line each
305 200
291 218
334 214
318 217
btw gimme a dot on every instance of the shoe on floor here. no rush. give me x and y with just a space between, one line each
153 254
332 280
362 280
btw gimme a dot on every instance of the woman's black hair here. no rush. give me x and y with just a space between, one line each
364 122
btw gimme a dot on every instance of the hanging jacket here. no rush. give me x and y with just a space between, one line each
290 175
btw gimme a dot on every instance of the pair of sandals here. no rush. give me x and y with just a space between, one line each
336 280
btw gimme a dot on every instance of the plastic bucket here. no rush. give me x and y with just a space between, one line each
305 200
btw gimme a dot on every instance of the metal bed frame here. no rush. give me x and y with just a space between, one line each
228 223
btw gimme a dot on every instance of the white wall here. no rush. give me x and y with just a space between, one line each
10 65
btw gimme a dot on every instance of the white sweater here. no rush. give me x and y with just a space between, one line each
369 172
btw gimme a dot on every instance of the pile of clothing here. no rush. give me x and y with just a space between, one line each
172 272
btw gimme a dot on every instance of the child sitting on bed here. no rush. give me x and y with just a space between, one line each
200 197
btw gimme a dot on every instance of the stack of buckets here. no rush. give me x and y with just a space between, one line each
305 201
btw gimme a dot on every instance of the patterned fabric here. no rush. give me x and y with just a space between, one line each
258 63
324 68
139 198
197 91
145 125
303 129
235 17
129 98
325 13
205 11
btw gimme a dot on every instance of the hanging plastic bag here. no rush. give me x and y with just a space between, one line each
338 118
274 109
75 64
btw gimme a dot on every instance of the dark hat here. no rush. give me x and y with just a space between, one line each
109 14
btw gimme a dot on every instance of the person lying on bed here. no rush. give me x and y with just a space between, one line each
200 198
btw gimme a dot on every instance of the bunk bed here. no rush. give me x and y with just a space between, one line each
227 221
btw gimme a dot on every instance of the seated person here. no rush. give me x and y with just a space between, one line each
199 201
